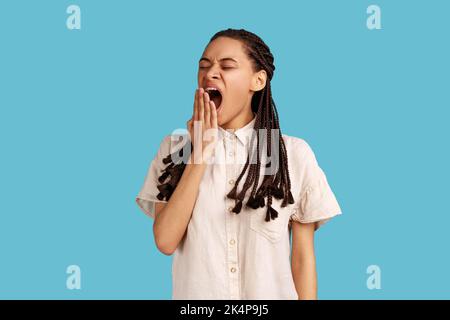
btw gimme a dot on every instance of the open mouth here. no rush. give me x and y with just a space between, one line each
215 95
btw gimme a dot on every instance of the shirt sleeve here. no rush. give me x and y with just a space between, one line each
317 202
147 196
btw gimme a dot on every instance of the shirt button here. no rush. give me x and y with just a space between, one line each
233 269
231 181
231 153
232 137
232 241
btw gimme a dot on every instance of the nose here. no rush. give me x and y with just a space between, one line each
213 72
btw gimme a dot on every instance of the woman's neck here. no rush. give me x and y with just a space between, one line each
239 121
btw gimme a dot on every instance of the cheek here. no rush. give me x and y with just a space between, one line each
199 78
238 87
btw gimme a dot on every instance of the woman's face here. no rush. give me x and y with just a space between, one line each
225 66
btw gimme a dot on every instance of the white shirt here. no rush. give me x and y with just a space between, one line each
241 256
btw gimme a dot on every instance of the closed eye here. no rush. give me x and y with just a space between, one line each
225 67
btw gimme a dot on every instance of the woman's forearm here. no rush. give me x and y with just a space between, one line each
171 223
305 277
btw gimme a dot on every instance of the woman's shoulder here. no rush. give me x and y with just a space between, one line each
296 145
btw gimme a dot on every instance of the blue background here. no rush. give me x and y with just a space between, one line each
82 113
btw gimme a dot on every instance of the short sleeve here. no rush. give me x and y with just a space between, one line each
147 196
317 202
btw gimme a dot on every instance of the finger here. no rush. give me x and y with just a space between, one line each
213 114
195 117
201 105
207 110
189 124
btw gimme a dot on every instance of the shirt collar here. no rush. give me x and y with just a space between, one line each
242 133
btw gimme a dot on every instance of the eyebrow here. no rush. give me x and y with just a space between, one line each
223 59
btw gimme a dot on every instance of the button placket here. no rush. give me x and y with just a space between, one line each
231 220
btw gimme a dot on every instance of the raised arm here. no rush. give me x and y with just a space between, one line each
172 219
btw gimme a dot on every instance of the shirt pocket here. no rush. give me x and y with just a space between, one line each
272 230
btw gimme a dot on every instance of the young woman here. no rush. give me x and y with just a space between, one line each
228 212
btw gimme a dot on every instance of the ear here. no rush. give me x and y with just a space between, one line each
259 80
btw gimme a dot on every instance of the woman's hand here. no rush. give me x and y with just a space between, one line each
203 127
